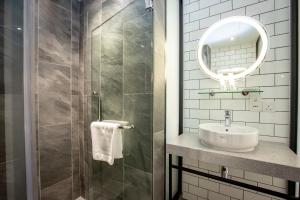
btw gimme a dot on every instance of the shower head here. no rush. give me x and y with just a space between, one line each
148 4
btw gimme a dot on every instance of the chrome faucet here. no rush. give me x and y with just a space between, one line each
227 118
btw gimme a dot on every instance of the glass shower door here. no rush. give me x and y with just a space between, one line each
121 75
12 140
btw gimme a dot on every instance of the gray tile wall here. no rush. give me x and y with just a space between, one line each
58 99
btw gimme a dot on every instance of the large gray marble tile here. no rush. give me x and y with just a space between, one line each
75 37
54 94
137 184
107 180
54 33
55 154
138 141
134 58
59 191
112 72
159 165
63 3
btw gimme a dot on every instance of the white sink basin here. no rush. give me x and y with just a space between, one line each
234 138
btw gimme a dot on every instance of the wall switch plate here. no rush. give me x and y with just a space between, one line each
269 106
255 104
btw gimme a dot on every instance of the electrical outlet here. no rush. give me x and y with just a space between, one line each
255 104
269 106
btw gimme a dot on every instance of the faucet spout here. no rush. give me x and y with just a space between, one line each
227 118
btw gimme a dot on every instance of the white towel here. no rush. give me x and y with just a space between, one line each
107 142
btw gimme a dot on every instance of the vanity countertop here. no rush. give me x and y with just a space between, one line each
269 158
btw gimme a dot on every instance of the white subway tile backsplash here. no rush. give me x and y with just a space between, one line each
200 14
252 196
189 196
243 3
191 123
246 116
282 79
236 12
259 8
196 35
273 78
231 191
192 26
209 104
197 74
235 172
191 84
199 114
194 95
232 104
185 187
186 75
282 130
191 104
278 182
271 187
220 8
270 28
274 139
282 40
186 94
191 7
216 114
258 177
217 196
260 80
282 4
190 162
192 180
204 4
208 84
209 166
275 67
186 113
264 129
282 104
282 27
275 16
186 18
189 46
275 92
276 118
200 192
190 65
209 185
204 23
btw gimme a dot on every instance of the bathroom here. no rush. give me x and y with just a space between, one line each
149 99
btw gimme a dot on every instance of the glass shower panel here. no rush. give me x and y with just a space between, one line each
121 74
12 156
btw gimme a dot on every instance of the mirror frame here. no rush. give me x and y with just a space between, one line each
244 19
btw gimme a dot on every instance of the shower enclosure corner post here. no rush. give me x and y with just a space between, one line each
29 67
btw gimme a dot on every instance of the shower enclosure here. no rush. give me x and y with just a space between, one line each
72 63
121 43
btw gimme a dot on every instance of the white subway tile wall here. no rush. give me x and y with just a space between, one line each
273 78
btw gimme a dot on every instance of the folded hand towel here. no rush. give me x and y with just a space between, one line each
107 142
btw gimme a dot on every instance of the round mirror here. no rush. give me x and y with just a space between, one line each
232 48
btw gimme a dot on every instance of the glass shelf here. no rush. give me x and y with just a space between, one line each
244 92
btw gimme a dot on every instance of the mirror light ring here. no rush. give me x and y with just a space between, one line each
244 19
